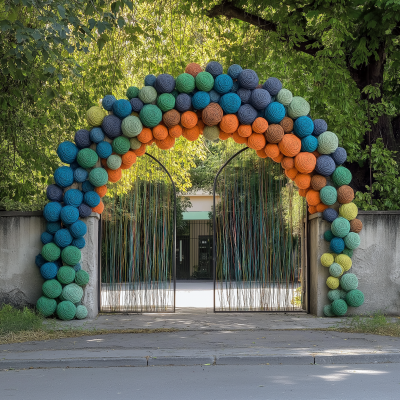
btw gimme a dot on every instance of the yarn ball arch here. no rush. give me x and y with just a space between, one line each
132 126
95 116
349 282
84 211
150 115
87 186
82 138
79 242
80 175
334 294
327 259
193 69
53 227
166 102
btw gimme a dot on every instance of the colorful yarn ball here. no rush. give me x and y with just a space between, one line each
72 292
87 186
339 307
341 176
349 282
212 114
211 133
229 123
95 116
327 142
53 227
337 245
108 101
66 310
290 145
355 298
192 69
46 237
92 199
345 194
318 182
51 211
214 68
275 112
339 156
303 126
87 158
328 311
66 275
325 165
132 126
148 94
165 83
150 80
340 227
64 176
204 81
329 215
71 255
287 124
51 288
200 100
54 193
67 152
245 95
79 228
327 260
183 102
84 211
79 242
299 107
135 143
336 270
121 145
96 135
248 79
260 98
81 312
309 143
305 163
344 261
150 115
230 103
284 97
328 236
328 195
136 104
356 225
62 238
332 282
320 126
46 306
223 84
352 240
122 108
247 114
82 138
336 294
114 161
214 96
82 278
80 175
234 71
40 260
111 126
132 92
69 215
104 149
273 85
274 133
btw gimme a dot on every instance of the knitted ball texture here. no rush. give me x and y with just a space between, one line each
64 176
332 282
275 112
84 211
214 96
234 71
77 267
336 270
166 102
72 292
223 84
122 108
183 102
287 124
244 95
48 270
204 81
111 126
284 97
339 307
132 126
325 165
349 282
165 83
328 195
352 240
135 144
81 312
98 177
46 237
330 214
82 138
327 259
46 306
104 149
309 143
71 255
320 126
247 114
69 215
63 238
79 228
87 158
66 275
339 156
341 176
150 115
345 194
229 123
92 199
299 107
80 242
318 182
51 211
340 227
305 162
334 294
348 211
136 104
150 80
214 68
54 193
108 101
211 132
132 92
95 116
355 298
274 133
51 288
273 85
328 236
200 100
230 103
303 126
356 225
336 245
66 310
120 145
53 227
212 114
248 79
344 260
87 187
192 69
260 98
328 311
82 278
51 252
327 142
80 175
67 152
148 94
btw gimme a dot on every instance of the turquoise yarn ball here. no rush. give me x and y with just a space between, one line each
64 176
275 112
87 187
82 278
69 215
339 307
48 270
53 227
328 236
355 298
51 288
348 252
234 71
122 108
62 238
46 306
223 84
92 199
108 101
341 176
79 228
81 312
335 270
150 115
79 242
98 177
200 100
73 197
349 282
303 126
327 143
104 149
67 152
298 107
72 293
340 227
309 143
132 92
66 310
230 103
185 83
87 158
52 211
51 252
352 240
328 195
204 81
336 245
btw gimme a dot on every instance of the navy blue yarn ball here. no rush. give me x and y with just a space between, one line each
80 175
247 114
67 152
84 211
73 197
214 68
339 156
235 87
244 95
39 260
275 112
49 270
303 126
230 103
248 79
51 211
104 149
46 237
329 214
63 238
309 144
64 176
96 135
74 165
223 84
165 83
122 108
92 199
320 126
53 227
273 85
82 138
325 165
69 215
260 98
79 242
136 104
150 80
111 126
87 187
77 267
337 245
183 102
234 71
200 100
108 101
78 229
54 193
214 96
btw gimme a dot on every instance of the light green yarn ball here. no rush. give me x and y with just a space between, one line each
334 294
348 211
185 83
95 116
114 161
328 311
166 101
352 240
66 310
340 227
46 306
327 259
298 107
332 282
328 195
150 115
148 94
336 270
72 293
328 142
71 255
98 177
339 307
284 97
81 312
131 126
66 275
120 145
132 92
341 176
51 252
134 143
87 158
344 260
349 282
51 288
82 278
211 132
204 81
355 298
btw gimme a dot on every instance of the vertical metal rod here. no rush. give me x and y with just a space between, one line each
308 279
99 239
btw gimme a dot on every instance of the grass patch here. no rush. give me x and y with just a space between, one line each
13 320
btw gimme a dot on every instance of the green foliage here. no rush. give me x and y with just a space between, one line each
13 320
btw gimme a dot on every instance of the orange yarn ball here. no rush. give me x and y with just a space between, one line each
279 158
166 144
128 159
260 125
189 119
191 134
160 132
261 153
103 162
321 207
239 139
313 198
193 69
272 150
291 173
345 194
212 114
303 192
175 131
316 154
114 175
99 208
318 182
201 125
229 123
101 190
305 162
290 145
303 181
245 130
224 136
287 124
312 209
171 118
145 135
141 150
274 133
256 141
287 162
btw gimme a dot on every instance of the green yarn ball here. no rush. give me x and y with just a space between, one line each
66 275
328 195
135 144
340 227
284 97
327 143
120 145
72 293
114 161
71 255
336 294
355 298
348 252
328 236
211 132
51 252
341 176
51 288
349 282
150 115
148 94
339 307
46 306
81 312
336 270
82 278
327 259
348 211
66 310
298 107
98 177
204 81
352 240
131 126
166 101
344 261
328 311
332 282
87 158
185 83
132 92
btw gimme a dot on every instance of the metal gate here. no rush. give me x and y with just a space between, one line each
258 231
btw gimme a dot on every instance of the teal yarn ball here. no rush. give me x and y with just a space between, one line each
82 278
348 252
81 312
51 252
185 83
51 288
166 101
328 236
87 158
339 307
73 197
46 306
148 94
328 311
120 145
335 270
66 310
98 177
52 211
334 294
71 255
223 84
150 115
67 152
349 282
328 195
64 176
355 298
69 215
352 240
132 92
328 142
211 132
298 107
284 97
63 238
204 81
341 176
131 126
66 275
340 227
72 293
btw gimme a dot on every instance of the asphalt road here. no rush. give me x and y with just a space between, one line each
266 382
